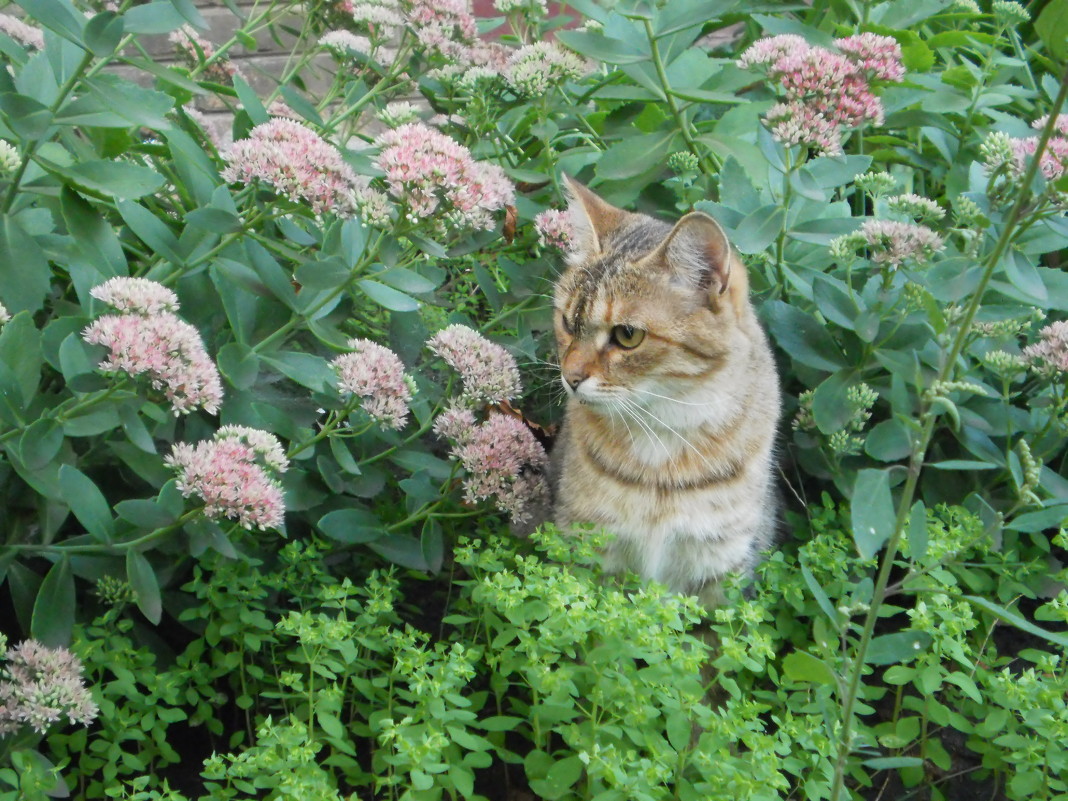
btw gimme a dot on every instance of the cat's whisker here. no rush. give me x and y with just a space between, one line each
683 439
666 397
635 414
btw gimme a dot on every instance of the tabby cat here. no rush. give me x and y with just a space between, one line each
673 404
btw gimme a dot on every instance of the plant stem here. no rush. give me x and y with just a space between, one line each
916 462
680 120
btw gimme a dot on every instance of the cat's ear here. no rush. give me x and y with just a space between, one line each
698 255
592 219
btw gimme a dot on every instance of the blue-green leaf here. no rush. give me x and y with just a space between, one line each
145 585
871 511
53 611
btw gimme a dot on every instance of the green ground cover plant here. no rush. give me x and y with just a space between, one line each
274 402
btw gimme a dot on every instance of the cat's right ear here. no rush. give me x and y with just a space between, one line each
592 219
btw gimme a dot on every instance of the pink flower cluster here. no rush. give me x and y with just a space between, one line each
39 686
554 229
502 458
1054 163
1051 351
376 374
197 50
148 338
297 163
435 176
488 371
825 92
235 474
25 35
892 243
444 26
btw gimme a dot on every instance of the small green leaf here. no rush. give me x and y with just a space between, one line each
28 118
116 179
87 503
53 611
802 337
901 646
239 364
351 526
889 441
387 297
103 32
402 550
871 511
1013 619
890 763
759 229
145 586
803 666
145 513
1052 28
918 531
40 443
214 220
25 275
156 17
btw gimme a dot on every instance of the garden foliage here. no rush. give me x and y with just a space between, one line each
266 399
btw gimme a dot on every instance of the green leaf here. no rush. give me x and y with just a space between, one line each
1052 28
803 666
351 526
103 32
559 779
20 349
28 118
802 337
1023 275
150 230
214 220
87 503
145 586
387 297
328 273
634 155
40 443
57 15
239 364
822 600
1013 619
156 17
432 544
402 550
890 763
117 179
250 101
25 275
833 301
759 229
871 511
53 611
307 370
901 646
145 513
1054 517
962 464
917 531
93 233
597 46
889 441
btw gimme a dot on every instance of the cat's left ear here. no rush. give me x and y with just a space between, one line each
697 254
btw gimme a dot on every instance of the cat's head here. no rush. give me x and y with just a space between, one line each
646 308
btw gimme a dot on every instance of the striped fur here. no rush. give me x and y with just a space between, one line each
668 445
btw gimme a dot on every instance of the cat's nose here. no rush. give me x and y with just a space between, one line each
574 377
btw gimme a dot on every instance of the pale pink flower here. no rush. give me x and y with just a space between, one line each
25 35
297 163
435 176
235 474
343 44
503 460
1051 351
149 339
1060 127
383 19
444 26
892 243
489 372
372 206
280 108
217 133
196 50
456 422
878 55
554 229
5 315
1054 161
376 374
535 68
825 93
136 295
39 686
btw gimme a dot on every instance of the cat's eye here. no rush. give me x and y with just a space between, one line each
627 336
